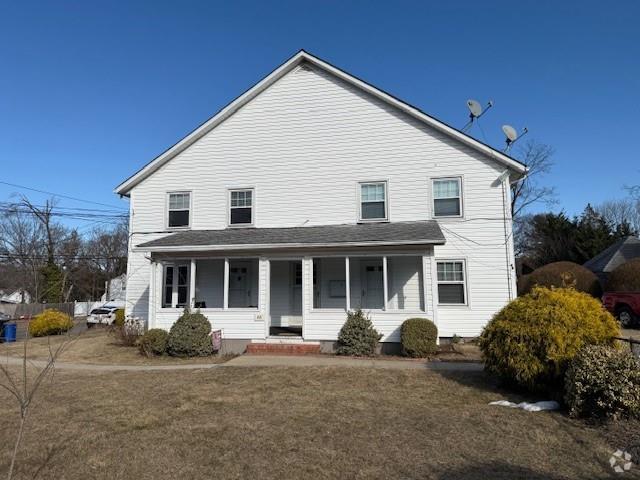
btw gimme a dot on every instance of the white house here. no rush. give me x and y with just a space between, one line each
115 290
314 193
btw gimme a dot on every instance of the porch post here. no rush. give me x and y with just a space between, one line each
152 295
385 282
347 286
225 304
192 283
434 292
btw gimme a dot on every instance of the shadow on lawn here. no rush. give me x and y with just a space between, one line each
497 471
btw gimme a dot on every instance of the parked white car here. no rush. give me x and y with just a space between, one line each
104 315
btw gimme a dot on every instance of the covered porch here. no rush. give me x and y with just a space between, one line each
296 291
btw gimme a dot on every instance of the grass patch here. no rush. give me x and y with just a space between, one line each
97 346
313 423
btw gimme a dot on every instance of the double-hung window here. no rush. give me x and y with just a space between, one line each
175 286
447 197
451 283
241 207
373 201
179 209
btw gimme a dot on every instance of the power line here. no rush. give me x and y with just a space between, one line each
60 195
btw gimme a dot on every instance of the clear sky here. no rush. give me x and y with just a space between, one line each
91 91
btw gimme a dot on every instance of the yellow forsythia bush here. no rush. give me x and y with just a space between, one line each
50 322
531 341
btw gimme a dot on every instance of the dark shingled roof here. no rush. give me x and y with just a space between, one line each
617 254
412 233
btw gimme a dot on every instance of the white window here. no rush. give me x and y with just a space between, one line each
373 201
241 207
447 198
179 209
175 286
451 283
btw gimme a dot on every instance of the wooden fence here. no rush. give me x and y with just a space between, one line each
28 310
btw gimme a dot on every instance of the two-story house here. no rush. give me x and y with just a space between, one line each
314 193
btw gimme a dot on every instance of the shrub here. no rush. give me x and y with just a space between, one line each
625 277
119 320
153 342
129 332
561 275
357 336
530 342
418 337
189 336
50 322
603 382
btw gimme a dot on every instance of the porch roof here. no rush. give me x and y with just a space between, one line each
365 234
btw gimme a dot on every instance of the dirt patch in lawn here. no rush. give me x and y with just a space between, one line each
96 346
302 423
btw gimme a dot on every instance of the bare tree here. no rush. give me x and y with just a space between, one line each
23 389
530 190
621 212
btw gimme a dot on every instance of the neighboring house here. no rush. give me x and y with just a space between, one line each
15 297
314 193
620 252
115 289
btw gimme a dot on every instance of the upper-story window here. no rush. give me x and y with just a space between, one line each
241 207
373 201
179 209
447 197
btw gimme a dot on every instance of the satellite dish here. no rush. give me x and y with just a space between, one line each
474 107
510 132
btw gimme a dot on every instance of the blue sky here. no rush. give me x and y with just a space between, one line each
91 91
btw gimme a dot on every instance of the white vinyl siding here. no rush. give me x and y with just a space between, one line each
304 144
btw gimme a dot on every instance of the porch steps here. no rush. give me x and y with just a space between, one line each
284 348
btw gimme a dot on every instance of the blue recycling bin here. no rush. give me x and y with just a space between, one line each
9 332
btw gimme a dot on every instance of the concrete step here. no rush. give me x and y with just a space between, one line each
283 348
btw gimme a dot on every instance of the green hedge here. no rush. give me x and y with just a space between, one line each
418 337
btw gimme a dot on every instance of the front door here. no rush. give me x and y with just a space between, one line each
239 294
372 289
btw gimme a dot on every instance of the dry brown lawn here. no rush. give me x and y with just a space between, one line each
96 346
294 423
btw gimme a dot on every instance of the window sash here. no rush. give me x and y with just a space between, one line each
175 286
241 207
179 210
373 201
451 280
447 197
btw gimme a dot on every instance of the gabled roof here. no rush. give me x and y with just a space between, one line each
620 252
352 235
302 56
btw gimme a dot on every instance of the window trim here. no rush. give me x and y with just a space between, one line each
386 202
460 180
253 207
167 210
464 282
174 287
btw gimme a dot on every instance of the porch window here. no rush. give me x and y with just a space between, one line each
178 209
447 198
451 283
405 283
329 283
209 284
175 286
373 201
366 283
243 283
241 207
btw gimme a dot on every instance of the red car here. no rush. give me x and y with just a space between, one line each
625 307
